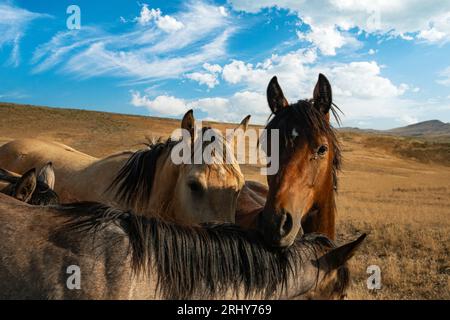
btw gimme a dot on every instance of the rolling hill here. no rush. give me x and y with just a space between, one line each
431 128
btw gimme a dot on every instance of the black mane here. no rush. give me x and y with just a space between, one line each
202 261
134 182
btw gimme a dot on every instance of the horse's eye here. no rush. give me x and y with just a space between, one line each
195 186
322 150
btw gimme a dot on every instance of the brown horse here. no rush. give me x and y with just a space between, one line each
301 195
32 188
120 255
146 181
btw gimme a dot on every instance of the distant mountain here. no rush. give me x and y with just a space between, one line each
356 130
426 128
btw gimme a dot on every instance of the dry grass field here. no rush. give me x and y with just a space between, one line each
396 189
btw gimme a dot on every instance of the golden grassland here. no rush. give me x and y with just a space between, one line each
395 189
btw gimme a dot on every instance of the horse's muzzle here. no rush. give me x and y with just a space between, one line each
280 229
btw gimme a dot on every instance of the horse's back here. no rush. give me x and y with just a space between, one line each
36 256
21 155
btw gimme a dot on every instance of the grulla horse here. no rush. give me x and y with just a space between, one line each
92 251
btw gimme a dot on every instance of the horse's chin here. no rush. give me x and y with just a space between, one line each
308 219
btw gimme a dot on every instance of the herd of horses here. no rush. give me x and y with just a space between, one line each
139 226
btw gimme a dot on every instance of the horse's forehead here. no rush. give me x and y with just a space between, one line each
300 138
215 174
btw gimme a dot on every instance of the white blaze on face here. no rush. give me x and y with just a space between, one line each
294 133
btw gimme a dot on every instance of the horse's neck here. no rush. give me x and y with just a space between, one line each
98 177
250 203
323 220
329 216
162 197
92 182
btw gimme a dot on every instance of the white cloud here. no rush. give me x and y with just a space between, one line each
409 19
362 80
235 71
327 39
147 52
164 22
161 105
359 88
208 78
438 30
223 11
213 68
292 68
13 24
169 24
235 107
231 109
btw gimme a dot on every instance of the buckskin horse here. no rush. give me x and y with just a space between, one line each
146 181
300 197
121 255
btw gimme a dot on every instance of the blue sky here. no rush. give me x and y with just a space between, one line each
388 61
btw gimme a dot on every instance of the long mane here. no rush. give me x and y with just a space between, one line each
134 182
198 262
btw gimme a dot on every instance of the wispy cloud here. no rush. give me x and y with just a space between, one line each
13 95
151 50
13 24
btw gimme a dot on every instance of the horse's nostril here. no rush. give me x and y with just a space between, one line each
286 224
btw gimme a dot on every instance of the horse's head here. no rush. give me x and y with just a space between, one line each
207 190
302 189
333 276
35 189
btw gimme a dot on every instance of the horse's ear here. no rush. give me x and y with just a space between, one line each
275 96
323 95
188 123
244 123
47 175
339 256
4 174
26 186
